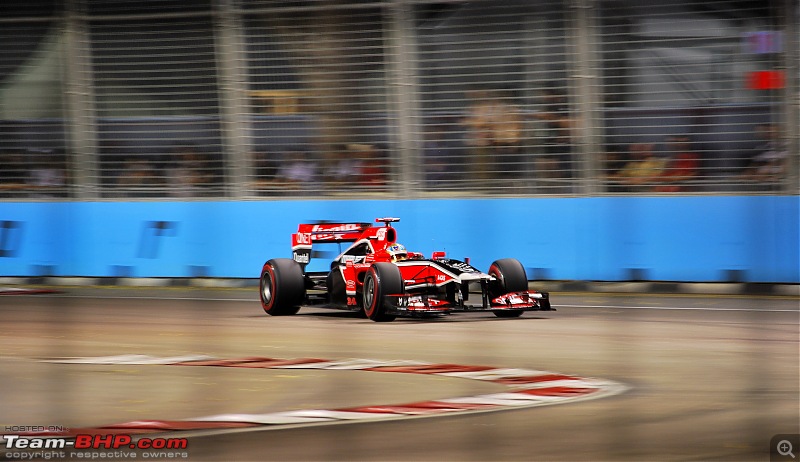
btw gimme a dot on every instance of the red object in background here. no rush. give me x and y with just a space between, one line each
766 80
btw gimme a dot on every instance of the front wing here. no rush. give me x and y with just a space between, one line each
421 304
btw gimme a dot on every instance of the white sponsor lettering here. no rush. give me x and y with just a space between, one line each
463 267
337 228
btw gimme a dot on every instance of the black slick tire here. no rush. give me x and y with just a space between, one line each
381 279
282 287
509 276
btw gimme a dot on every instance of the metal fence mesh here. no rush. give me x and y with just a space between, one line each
683 87
265 99
317 99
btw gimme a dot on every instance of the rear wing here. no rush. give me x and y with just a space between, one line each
309 234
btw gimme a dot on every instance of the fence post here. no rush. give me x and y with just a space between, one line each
234 123
404 89
792 92
586 88
80 117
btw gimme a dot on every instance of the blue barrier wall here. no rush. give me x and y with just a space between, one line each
751 238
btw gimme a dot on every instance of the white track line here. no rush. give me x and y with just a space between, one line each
682 308
621 307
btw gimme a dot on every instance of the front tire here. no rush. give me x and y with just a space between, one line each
509 276
282 287
381 279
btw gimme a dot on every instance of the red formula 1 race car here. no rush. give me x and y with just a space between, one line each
378 277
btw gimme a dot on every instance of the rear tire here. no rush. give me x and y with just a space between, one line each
282 287
380 280
509 276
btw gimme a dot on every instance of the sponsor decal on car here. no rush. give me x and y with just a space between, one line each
335 228
461 266
303 238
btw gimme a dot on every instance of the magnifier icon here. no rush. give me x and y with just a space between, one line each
785 448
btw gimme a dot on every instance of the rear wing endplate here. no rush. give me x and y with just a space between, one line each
309 234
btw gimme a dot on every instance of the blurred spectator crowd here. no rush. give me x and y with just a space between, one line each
487 149
37 173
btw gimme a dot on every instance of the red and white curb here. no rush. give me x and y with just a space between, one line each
25 291
525 388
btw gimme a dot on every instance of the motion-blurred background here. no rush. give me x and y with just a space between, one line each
171 141
157 103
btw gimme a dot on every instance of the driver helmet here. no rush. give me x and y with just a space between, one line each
397 252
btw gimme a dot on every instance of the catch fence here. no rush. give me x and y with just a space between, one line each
257 99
